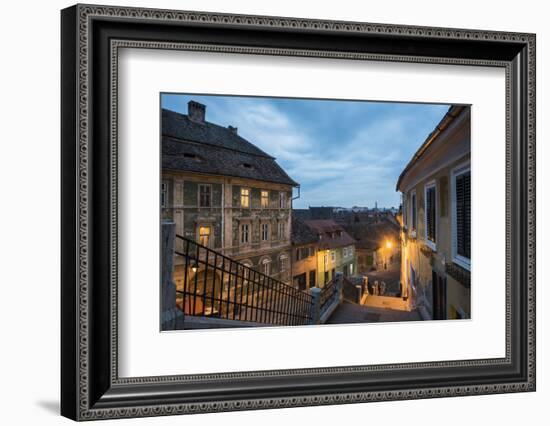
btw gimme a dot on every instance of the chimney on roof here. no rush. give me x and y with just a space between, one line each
196 111
233 129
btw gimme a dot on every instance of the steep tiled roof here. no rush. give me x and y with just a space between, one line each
302 234
453 112
332 234
372 235
212 149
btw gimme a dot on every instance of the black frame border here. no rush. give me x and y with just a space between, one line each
90 388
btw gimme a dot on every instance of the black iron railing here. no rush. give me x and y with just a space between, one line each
210 284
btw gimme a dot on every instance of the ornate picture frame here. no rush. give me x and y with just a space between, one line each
90 39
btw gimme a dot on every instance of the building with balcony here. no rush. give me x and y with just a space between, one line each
436 220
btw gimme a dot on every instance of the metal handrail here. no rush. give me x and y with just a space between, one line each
231 290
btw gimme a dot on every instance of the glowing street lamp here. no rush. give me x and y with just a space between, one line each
388 244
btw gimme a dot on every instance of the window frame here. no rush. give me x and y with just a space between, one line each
210 234
282 200
428 186
163 194
247 197
283 261
281 230
262 198
414 213
204 185
266 226
242 234
265 265
462 261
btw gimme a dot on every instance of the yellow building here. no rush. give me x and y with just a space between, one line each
305 246
435 236
336 251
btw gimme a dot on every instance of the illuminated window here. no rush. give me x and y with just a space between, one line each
245 233
204 235
245 197
265 231
205 196
265 199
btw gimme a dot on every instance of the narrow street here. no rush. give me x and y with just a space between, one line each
390 276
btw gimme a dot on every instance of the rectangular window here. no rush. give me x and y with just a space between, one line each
413 212
265 266
163 192
281 230
312 275
404 211
204 235
283 263
430 214
333 256
265 199
282 200
461 217
265 231
245 197
245 233
205 195
345 252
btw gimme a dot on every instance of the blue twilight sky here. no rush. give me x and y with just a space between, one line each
342 153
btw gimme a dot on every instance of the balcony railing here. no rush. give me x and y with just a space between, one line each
217 286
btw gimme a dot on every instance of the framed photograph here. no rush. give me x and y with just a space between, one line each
263 212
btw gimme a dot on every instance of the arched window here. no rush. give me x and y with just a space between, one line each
265 266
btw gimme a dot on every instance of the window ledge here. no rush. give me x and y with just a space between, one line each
459 273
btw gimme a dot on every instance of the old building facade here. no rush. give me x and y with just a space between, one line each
435 236
305 246
225 193
335 253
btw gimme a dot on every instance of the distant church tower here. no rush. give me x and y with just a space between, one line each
376 205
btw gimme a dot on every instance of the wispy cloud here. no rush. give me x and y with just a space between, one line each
342 153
